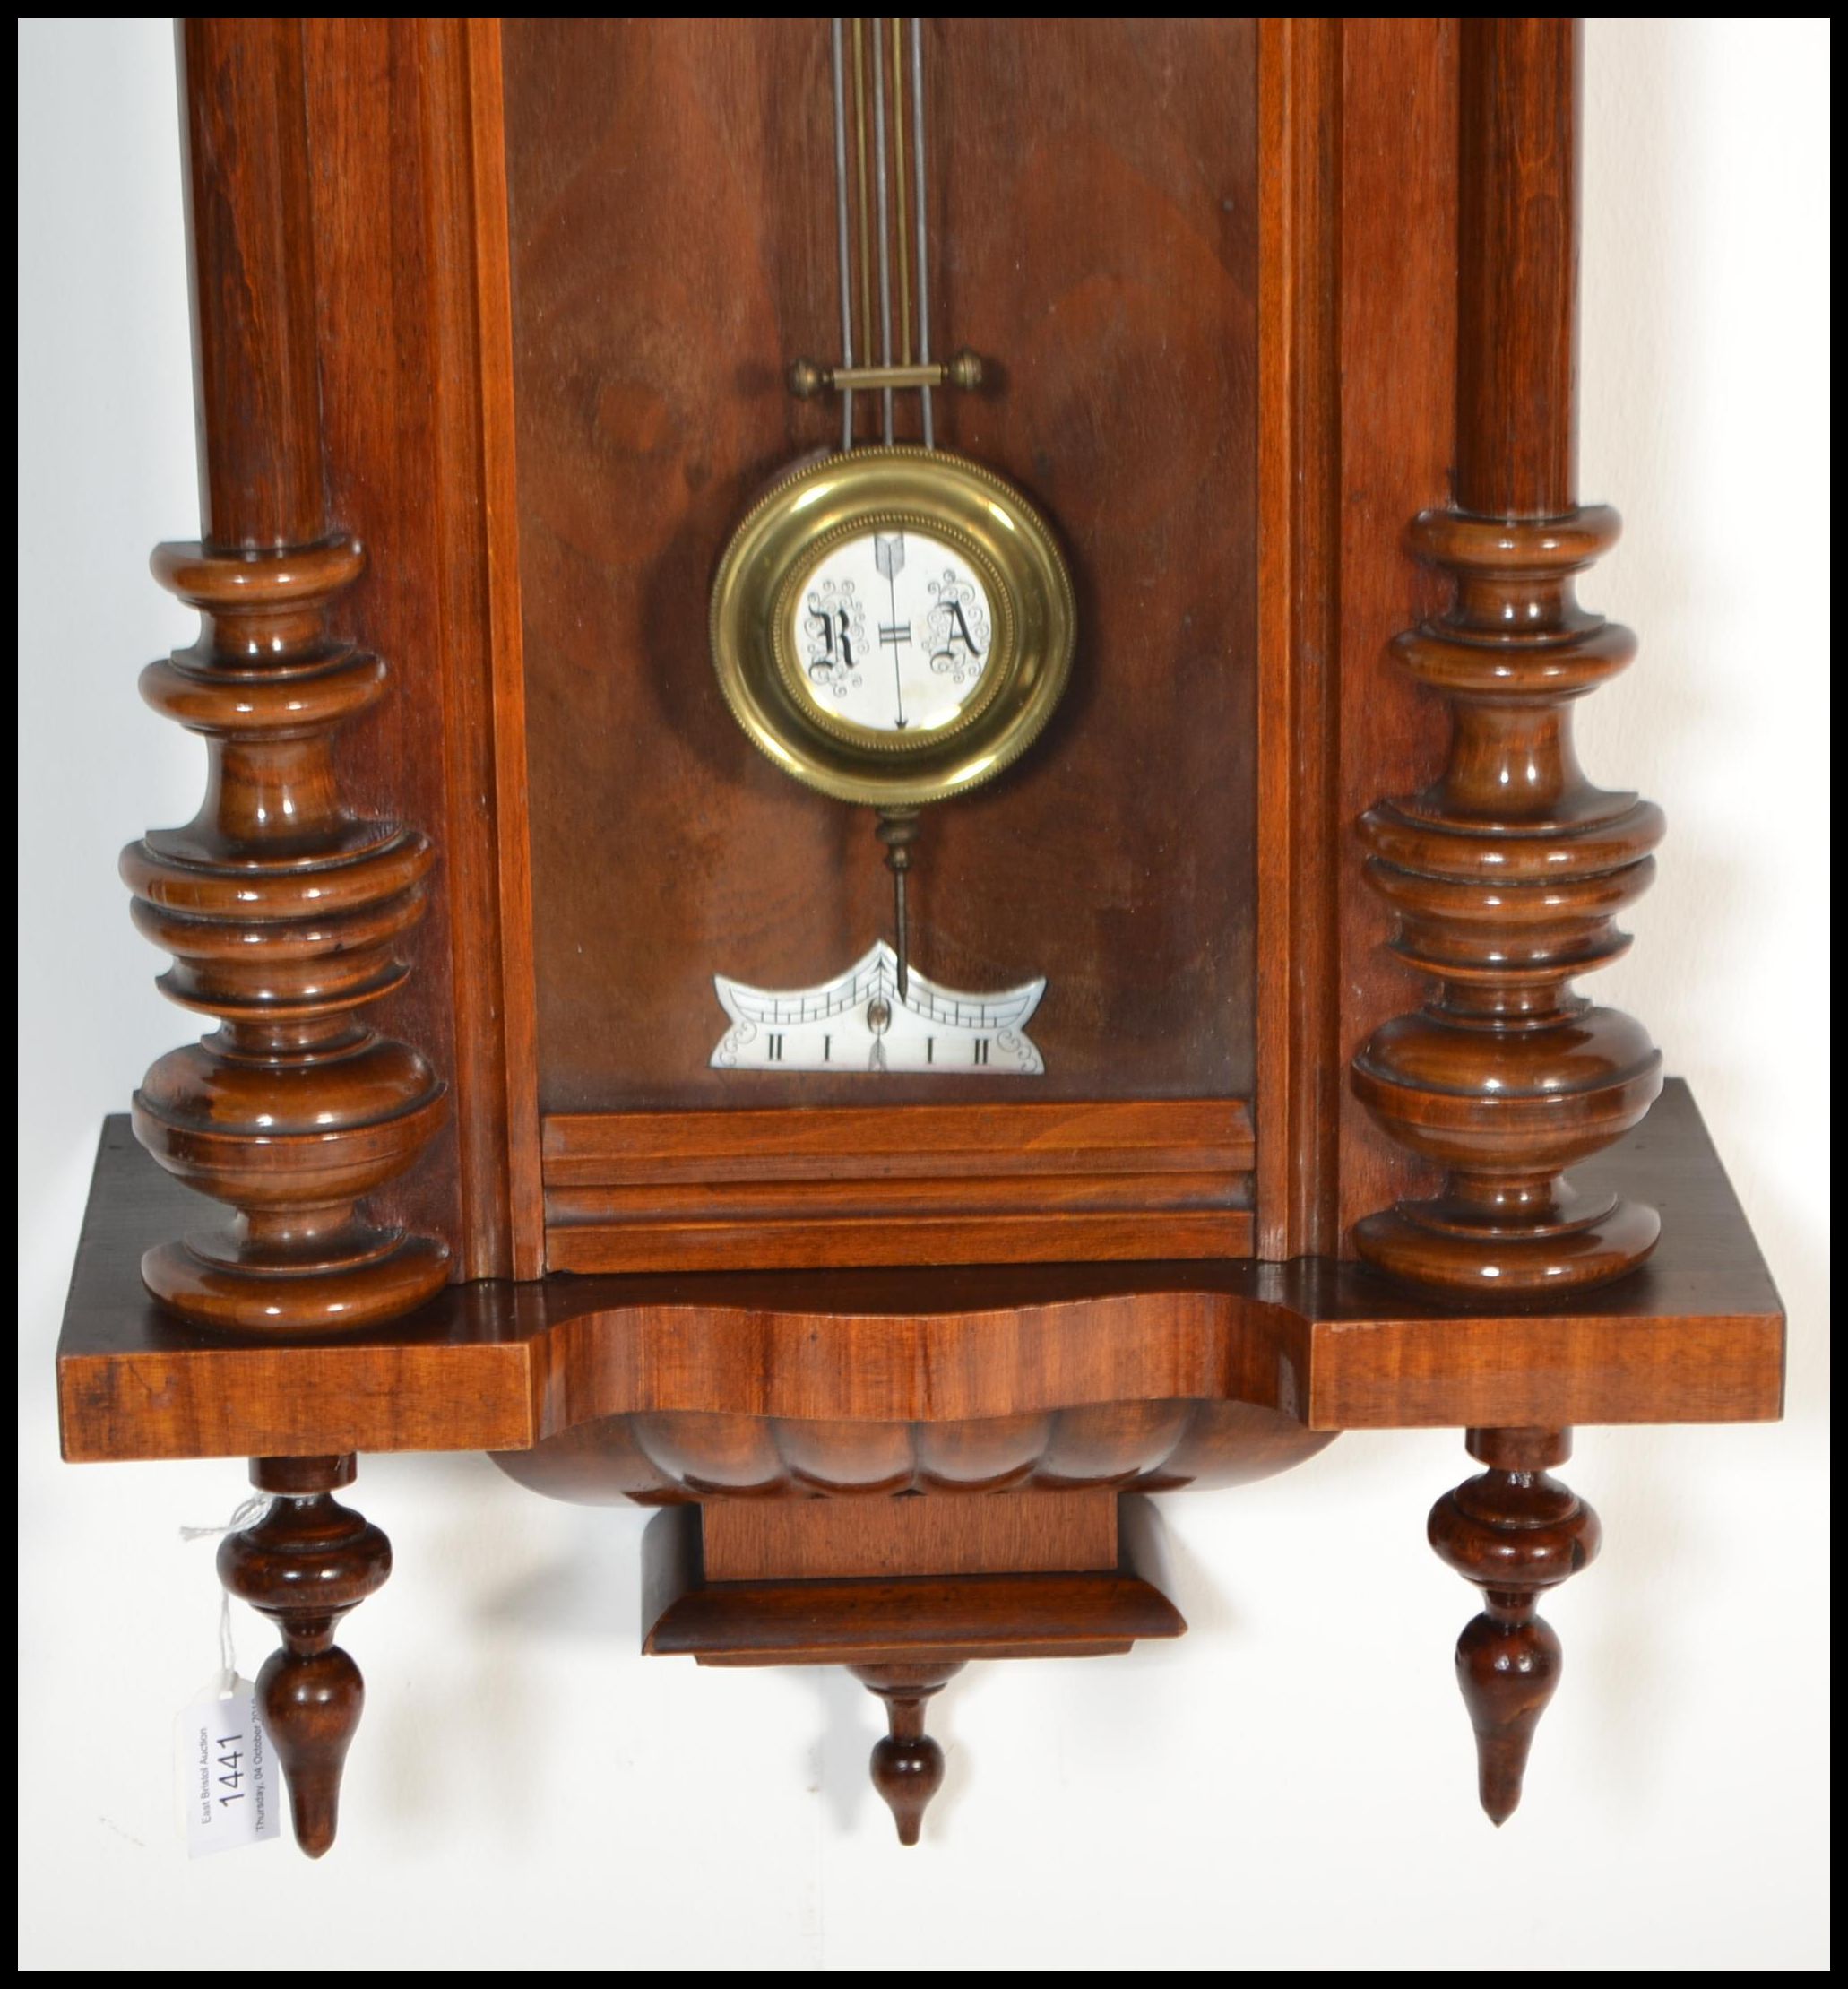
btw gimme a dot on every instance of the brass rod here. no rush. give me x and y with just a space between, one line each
897 829
866 250
898 203
840 212
849 379
807 378
885 222
904 937
923 235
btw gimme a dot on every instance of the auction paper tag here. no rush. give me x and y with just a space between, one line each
229 1784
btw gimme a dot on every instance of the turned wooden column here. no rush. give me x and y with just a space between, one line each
1508 872
284 910
304 1565
1515 1532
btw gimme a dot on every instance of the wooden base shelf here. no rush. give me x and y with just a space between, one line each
1695 1336
929 1617
1025 1398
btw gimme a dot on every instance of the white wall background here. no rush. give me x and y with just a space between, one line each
1291 1786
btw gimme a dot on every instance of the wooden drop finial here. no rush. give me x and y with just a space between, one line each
305 1564
907 1764
1514 1532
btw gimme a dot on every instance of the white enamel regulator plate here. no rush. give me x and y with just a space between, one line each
857 1022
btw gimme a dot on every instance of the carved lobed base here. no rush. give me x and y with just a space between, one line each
1146 1446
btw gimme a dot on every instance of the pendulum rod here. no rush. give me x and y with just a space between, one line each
866 251
898 830
923 237
871 205
884 244
841 215
898 192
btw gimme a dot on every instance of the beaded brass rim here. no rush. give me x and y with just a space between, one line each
790 529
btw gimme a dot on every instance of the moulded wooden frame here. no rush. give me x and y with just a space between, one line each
1347 397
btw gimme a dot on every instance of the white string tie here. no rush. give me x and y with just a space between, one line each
248 1512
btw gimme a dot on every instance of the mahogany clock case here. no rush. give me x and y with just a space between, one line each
547 467
1287 354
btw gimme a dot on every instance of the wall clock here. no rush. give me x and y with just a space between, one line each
581 1090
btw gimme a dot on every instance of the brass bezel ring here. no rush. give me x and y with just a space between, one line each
789 530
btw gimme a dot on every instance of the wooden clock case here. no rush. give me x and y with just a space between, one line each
901 1375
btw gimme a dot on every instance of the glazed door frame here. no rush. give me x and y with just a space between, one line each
1358 124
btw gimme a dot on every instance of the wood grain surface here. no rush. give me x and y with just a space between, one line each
1397 444
671 187
1302 851
1507 874
805 1539
765 1462
921 1618
285 909
1697 1334
997 1182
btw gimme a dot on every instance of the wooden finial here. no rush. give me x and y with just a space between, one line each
304 1565
907 1764
1514 1531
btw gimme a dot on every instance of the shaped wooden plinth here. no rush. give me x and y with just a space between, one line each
1514 1532
854 1582
304 1565
1507 877
283 913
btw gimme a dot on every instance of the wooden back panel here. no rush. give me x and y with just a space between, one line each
671 189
